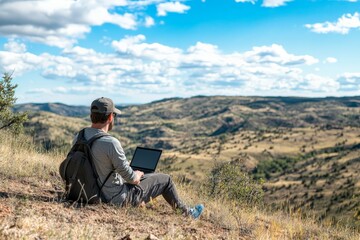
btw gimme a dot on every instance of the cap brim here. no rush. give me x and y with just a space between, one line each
117 111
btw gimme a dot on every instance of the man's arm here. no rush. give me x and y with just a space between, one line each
121 164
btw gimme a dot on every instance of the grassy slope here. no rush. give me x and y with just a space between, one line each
30 208
319 133
197 132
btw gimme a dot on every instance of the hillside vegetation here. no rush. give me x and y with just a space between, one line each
31 207
305 149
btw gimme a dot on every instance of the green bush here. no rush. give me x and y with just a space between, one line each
8 119
229 181
267 168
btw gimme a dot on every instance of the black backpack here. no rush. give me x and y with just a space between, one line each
79 173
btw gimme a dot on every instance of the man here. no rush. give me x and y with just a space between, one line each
125 186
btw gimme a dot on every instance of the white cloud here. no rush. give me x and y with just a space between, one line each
14 46
126 21
316 83
267 3
242 1
274 3
18 62
202 54
62 23
62 37
330 60
343 25
149 21
139 67
349 81
277 54
143 3
79 90
59 23
174 7
135 46
15 59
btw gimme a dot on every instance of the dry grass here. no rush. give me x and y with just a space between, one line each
19 158
30 209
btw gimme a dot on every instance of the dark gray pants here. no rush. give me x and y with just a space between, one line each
155 184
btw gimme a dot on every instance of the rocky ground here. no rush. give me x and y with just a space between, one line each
32 210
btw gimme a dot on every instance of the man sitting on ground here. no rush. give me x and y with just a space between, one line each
125 186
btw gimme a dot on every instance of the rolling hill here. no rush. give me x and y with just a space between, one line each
57 108
306 149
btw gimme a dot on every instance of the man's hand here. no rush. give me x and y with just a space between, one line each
138 175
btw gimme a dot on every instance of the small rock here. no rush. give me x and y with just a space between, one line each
152 237
127 237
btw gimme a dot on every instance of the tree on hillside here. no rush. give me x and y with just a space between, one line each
8 119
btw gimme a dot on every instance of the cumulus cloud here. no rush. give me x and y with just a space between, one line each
174 7
59 23
62 23
14 46
242 1
343 25
136 47
267 3
15 59
137 66
330 60
349 81
149 21
316 83
77 90
274 3
277 54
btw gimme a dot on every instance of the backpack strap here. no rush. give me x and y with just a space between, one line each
95 137
89 143
81 137
102 185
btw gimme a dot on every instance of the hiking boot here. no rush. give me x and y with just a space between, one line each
196 211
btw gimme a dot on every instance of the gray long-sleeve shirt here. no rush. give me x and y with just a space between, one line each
108 155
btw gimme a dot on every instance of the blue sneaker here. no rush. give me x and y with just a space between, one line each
196 211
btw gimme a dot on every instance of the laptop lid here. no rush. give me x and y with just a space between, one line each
145 159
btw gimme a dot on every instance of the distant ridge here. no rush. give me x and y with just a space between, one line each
166 100
250 101
57 108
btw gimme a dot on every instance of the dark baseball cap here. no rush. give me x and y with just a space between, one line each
104 105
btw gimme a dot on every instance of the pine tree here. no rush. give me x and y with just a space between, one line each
8 119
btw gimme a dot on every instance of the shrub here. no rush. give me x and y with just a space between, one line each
229 181
267 168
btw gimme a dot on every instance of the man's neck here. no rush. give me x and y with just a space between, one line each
101 126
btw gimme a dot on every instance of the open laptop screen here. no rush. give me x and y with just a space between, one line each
145 159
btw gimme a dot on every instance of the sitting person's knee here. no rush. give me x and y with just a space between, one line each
165 176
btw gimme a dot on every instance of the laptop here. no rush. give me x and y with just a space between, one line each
145 159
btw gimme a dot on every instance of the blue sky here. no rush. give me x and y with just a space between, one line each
137 51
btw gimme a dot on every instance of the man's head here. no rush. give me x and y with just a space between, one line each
101 109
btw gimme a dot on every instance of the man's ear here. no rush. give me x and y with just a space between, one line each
110 118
